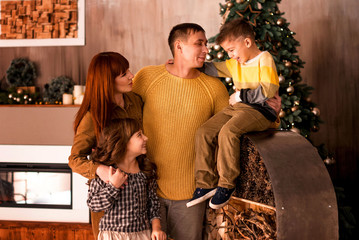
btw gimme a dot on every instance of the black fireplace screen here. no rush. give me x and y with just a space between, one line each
35 185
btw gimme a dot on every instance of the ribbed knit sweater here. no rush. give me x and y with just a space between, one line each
173 110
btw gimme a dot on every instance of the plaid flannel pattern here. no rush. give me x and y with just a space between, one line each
126 210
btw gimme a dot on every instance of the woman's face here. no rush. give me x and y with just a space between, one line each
123 82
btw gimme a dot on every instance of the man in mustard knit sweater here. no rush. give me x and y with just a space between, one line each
178 99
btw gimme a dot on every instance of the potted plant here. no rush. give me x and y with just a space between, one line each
53 92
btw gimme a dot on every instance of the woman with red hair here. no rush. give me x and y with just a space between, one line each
108 96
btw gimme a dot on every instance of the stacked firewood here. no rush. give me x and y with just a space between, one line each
236 221
250 213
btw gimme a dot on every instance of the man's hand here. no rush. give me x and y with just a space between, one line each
275 102
118 178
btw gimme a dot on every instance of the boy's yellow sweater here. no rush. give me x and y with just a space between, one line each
257 80
173 110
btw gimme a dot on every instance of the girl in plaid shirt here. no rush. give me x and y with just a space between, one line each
129 198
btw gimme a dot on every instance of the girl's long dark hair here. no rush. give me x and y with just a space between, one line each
112 145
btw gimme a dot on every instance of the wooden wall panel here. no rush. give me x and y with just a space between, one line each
329 36
138 29
327 30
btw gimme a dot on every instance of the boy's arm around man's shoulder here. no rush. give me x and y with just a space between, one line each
216 69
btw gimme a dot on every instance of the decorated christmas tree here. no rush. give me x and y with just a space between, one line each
272 33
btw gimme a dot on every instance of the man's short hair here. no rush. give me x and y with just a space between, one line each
235 29
182 31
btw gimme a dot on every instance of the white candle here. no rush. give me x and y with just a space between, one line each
66 99
78 99
78 90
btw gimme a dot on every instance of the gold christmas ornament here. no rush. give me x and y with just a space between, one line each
280 21
19 91
290 89
297 102
288 64
209 57
281 113
329 160
229 5
308 99
279 44
240 1
295 108
316 111
281 79
216 47
10 95
315 129
220 55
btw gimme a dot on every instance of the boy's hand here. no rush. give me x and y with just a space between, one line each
275 102
118 178
232 99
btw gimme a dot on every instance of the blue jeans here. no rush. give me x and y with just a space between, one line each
180 222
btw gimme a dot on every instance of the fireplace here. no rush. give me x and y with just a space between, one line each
36 184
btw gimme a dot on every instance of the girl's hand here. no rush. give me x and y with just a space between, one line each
158 235
118 178
102 172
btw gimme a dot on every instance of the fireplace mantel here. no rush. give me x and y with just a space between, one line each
37 125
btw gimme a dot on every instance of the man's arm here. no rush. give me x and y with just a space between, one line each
275 102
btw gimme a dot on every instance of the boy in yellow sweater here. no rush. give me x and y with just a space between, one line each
255 78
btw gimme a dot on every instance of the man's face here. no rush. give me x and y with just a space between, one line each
194 50
237 49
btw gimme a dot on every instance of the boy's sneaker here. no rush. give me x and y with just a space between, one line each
201 195
221 198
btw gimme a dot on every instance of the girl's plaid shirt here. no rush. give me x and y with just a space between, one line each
126 210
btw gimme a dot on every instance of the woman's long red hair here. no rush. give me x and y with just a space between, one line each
100 85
